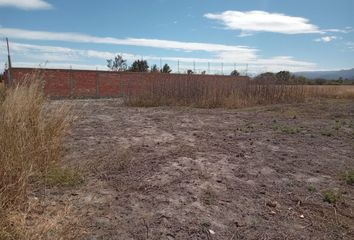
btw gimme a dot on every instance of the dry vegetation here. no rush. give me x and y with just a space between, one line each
201 158
30 146
330 91
223 93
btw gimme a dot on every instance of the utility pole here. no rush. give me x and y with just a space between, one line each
194 66
178 65
9 61
222 68
160 64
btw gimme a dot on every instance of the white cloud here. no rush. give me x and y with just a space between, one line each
32 55
350 45
261 21
245 34
141 42
26 4
325 39
346 30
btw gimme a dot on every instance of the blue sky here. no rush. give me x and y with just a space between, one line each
253 35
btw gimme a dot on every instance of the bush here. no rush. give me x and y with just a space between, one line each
30 138
349 177
331 196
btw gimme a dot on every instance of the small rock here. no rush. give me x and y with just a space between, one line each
211 231
272 204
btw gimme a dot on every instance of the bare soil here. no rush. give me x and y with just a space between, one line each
187 173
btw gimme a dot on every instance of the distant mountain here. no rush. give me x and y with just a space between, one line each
329 75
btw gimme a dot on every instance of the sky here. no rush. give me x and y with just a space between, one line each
216 36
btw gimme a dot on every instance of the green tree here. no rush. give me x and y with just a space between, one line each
166 69
235 73
189 72
117 64
139 66
154 68
320 81
283 76
267 76
301 80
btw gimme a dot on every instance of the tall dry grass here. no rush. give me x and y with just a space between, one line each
209 93
31 136
2 91
330 91
229 93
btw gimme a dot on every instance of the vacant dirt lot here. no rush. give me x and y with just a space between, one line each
184 173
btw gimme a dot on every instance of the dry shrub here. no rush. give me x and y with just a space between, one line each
209 93
42 221
31 138
2 91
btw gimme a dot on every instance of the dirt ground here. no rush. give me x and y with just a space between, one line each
186 173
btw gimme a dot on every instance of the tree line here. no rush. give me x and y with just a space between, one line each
119 64
285 77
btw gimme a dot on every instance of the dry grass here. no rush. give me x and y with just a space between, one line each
30 143
210 93
330 91
2 91
229 93
41 221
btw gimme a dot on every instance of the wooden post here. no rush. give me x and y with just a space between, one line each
9 63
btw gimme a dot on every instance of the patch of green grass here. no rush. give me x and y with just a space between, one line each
337 126
311 188
349 177
63 177
331 196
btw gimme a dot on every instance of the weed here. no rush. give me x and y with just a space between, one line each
2 94
311 188
287 129
331 196
63 177
337 126
208 93
349 177
31 138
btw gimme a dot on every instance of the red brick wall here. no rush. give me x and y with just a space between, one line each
87 83
84 84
